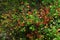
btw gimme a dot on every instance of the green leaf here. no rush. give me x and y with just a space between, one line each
32 28
58 20
54 29
31 16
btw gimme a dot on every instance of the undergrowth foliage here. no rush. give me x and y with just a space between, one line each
29 19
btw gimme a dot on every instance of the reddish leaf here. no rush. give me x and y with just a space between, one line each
37 24
18 22
29 12
46 10
58 9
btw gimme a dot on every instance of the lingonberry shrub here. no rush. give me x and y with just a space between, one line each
29 19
